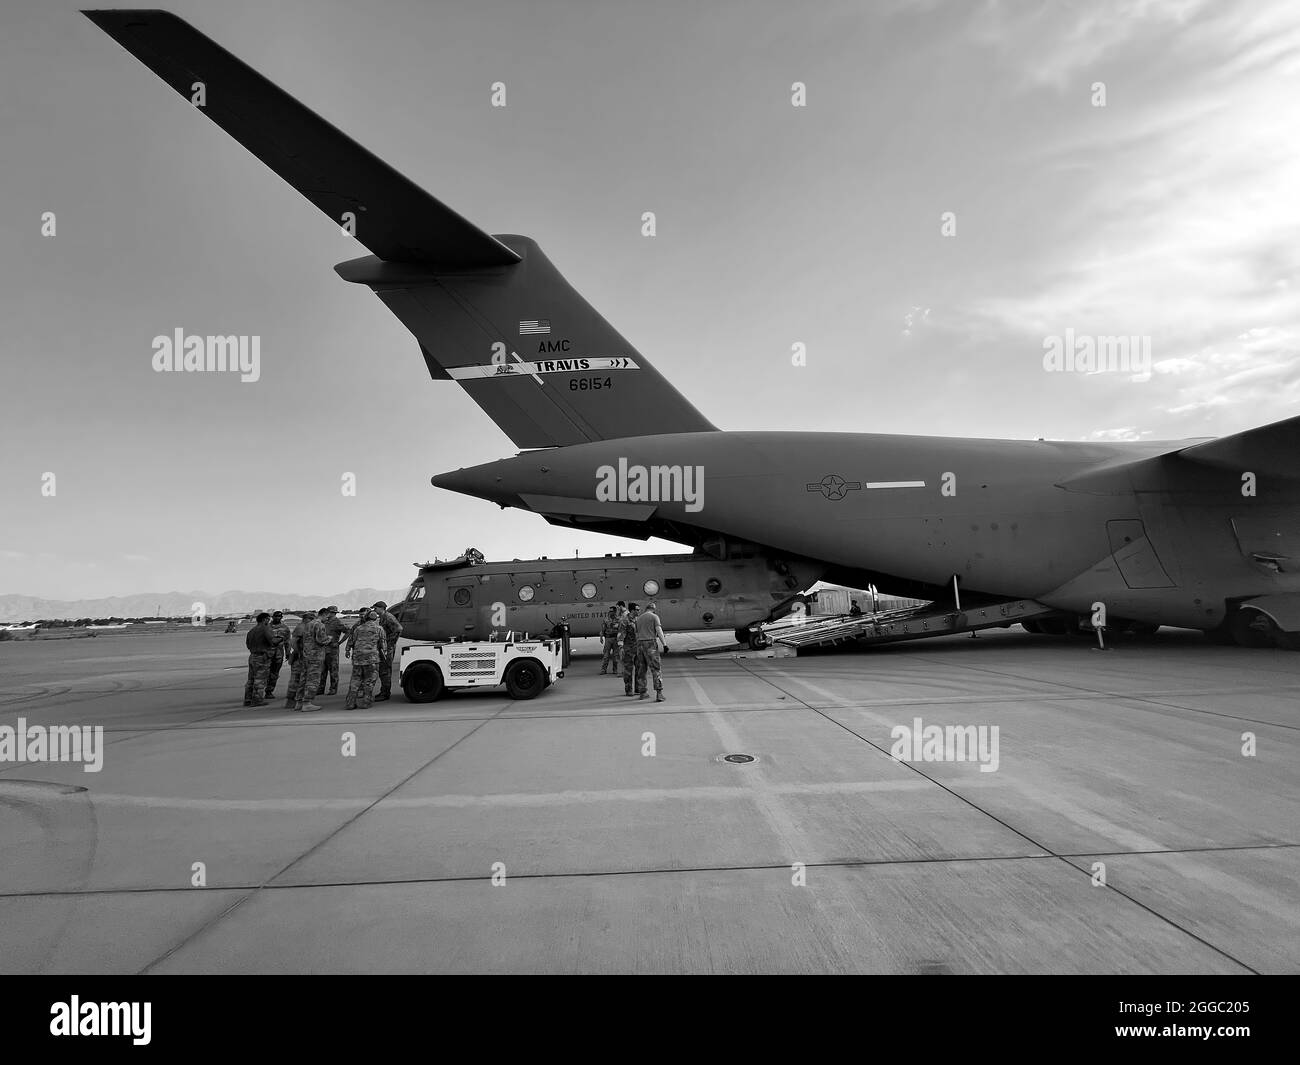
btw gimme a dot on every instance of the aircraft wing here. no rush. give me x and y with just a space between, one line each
1270 449
395 218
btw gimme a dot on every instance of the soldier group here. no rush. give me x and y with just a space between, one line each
312 651
638 634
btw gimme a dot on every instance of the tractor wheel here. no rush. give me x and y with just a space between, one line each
525 678
422 683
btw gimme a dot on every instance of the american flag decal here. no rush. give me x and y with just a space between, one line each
533 328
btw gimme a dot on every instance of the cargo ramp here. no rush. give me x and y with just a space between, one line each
911 623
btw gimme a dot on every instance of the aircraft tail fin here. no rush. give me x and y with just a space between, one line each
489 312
537 357
394 217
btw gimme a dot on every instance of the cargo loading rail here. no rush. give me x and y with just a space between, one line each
914 623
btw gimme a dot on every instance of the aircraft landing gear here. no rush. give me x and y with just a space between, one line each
754 639
1250 628
1253 628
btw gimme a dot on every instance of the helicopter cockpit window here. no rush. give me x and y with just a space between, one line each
416 592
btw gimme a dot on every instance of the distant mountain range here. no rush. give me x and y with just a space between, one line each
180 604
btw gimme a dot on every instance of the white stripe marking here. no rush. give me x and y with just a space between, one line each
696 793
522 363
586 364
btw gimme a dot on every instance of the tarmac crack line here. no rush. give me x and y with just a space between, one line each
848 863
207 925
993 817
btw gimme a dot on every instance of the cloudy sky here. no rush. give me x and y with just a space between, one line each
1172 213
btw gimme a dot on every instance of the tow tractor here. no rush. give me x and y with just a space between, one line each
526 666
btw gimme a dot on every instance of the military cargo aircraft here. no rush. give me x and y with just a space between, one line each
1203 534
469 598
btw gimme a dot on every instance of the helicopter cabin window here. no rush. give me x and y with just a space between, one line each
672 583
461 597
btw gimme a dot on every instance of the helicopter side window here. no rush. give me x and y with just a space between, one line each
462 597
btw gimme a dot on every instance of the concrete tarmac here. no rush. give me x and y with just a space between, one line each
1123 830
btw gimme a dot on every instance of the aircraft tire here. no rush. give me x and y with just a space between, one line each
525 678
1247 630
423 683
757 640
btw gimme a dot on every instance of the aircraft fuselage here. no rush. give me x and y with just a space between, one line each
1154 538
693 593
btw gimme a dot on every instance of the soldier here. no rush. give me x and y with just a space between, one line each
367 640
279 650
392 630
296 660
629 647
315 639
259 646
609 629
649 634
337 630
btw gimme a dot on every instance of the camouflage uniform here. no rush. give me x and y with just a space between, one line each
330 671
647 657
314 641
280 637
259 669
366 645
295 664
648 632
609 630
258 642
629 650
392 630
